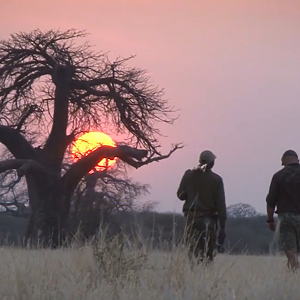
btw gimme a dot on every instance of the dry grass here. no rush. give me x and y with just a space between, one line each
119 271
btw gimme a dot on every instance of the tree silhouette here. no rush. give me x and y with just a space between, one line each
51 90
100 195
241 210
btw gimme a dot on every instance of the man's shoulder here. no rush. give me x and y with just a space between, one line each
287 170
216 176
187 172
280 173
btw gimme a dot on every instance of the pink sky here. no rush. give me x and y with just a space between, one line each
232 67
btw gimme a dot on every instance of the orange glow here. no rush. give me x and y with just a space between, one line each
89 142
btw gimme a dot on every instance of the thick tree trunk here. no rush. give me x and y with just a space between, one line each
50 210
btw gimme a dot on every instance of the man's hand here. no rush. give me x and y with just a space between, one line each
272 226
221 239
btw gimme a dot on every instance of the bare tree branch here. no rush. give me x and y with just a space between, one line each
16 143
85 164
134 103
28 111
23 167
12 164
133 157
24 60
151 159
101 192
32 167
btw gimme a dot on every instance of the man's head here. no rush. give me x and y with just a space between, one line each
207 157
289 157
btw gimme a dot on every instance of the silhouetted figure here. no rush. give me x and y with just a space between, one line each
284 194
204 196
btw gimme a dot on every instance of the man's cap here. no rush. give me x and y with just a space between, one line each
207 157
289 157
290 153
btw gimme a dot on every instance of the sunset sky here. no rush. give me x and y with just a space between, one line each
231 67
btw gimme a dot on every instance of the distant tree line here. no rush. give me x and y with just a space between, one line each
247 231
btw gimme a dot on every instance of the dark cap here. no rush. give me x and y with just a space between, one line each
207 157
289 157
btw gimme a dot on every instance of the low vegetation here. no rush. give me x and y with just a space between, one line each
120 269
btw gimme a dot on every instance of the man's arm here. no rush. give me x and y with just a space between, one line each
272 198
182 190
221 204
270 213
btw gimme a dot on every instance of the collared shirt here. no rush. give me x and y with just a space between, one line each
203 191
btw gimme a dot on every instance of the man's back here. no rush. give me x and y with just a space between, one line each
202 191
285 190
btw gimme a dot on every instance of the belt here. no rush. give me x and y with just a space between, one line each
197 214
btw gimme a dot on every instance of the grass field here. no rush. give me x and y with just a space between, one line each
114 272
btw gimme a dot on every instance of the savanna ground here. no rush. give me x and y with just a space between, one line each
120 270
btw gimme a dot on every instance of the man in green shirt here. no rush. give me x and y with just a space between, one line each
204 196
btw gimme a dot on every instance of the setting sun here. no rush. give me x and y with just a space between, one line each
89 142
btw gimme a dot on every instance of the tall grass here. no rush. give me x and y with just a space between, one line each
124 269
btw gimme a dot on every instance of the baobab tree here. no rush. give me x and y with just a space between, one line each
51 90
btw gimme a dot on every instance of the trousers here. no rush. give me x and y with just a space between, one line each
201 234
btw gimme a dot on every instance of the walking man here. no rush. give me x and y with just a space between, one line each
204 196
284 195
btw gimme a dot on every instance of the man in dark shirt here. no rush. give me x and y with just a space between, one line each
284 194
203 193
